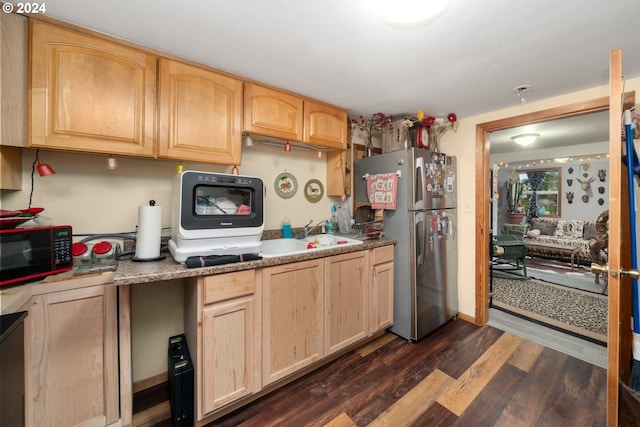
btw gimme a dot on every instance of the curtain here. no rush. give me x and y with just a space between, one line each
535 179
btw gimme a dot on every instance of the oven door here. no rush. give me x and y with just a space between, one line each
24 255
221 202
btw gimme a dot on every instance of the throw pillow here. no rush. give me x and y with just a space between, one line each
546 228
569 229
533 233
589 231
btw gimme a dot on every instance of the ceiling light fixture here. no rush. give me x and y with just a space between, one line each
519 90
525 139
408 11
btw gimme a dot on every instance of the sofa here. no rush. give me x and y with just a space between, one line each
565 232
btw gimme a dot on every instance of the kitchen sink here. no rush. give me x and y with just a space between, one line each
285 247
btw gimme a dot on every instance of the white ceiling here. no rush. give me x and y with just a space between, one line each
467 60
585 129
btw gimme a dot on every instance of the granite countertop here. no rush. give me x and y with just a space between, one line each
131 272
14 298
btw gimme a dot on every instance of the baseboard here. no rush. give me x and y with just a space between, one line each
466 318
150 382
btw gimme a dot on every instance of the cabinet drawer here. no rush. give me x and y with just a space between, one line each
226 286
382 254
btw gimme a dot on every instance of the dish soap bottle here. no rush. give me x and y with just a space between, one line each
286 228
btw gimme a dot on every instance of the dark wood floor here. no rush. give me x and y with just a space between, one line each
460 375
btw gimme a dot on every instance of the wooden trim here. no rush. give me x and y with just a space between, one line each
483 186
150 382
619 333
124 339
466 318
615 190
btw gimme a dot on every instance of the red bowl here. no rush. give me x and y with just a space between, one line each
13 222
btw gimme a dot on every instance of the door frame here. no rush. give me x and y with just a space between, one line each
618 314
483 185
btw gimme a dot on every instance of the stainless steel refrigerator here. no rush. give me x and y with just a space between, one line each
425 226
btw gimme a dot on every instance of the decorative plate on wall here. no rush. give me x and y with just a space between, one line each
313 190
286 185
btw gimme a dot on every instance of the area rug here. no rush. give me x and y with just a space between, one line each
553 271
575 311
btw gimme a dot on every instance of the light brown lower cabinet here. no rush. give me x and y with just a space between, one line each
346 300
220 325
292 318
253 330
72 356
381 288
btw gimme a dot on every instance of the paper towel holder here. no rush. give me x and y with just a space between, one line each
156 258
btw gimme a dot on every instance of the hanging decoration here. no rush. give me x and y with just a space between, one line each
586 184
570 197
286 185
602 174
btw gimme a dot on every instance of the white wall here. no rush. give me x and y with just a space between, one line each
462 145
578 209
96 200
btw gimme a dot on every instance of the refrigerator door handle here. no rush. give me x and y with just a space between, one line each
419 196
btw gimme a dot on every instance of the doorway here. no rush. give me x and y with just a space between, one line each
556 288
483 163
618 368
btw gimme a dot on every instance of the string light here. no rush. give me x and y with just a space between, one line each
557 160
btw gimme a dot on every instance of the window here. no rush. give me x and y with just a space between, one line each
547 194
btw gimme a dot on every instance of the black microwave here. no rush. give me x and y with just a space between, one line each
28 254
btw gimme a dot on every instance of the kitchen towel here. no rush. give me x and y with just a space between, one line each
382 190
205 261
149 230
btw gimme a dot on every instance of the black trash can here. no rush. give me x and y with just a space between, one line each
181 382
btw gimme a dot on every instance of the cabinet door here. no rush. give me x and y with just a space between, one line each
200 114
14 61
382 288
228 341
338 173
325 125
346 300
292 318
72 358
89 94
272 113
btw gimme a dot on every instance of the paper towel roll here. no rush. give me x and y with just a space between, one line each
149 230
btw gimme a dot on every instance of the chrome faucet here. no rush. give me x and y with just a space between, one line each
307 229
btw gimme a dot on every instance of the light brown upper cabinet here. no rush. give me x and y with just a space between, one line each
325 125
200 114
276 114
14 36
272 113
90 94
